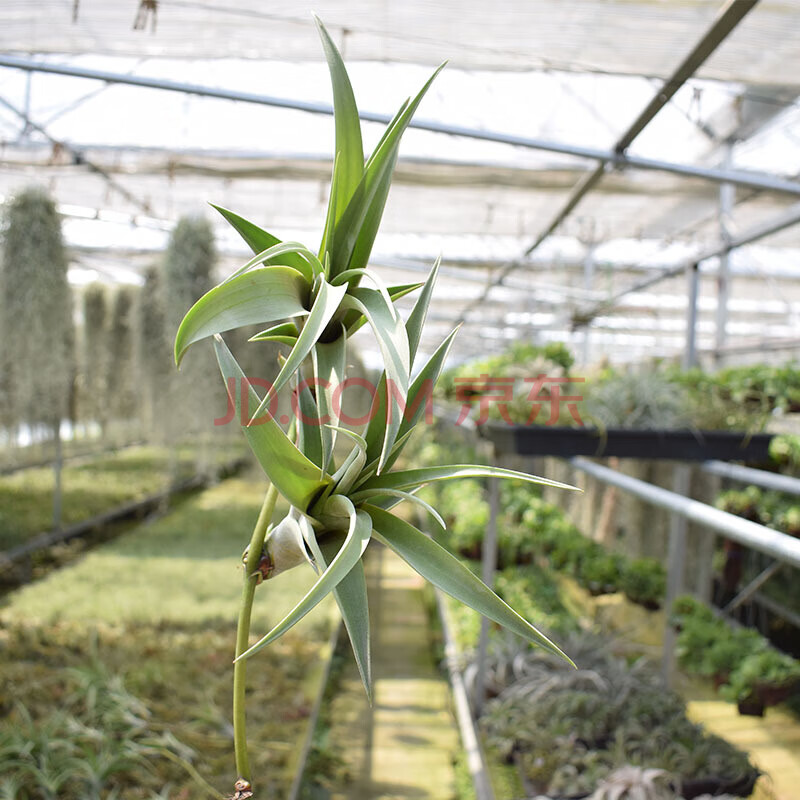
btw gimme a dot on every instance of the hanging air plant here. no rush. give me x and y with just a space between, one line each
313 303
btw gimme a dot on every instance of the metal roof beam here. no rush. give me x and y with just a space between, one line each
790 217
611 157
79 158
729 16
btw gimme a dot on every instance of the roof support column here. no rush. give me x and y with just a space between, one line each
692 291
727 197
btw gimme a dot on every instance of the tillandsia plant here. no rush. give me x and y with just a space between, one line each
313 304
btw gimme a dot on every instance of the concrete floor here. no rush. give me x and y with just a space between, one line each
403 747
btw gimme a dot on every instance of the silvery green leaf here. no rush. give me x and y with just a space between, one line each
446 572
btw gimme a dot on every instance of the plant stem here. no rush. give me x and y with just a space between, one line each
243 631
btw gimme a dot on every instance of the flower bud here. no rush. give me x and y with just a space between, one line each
284 547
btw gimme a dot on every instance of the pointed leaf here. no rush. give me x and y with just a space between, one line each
390 333
372 467
353 320
295 477
421 386
262 295
329 360
349 149
276 255
351 597
325 306
355 233
309 429
259 240
446 572
419 392
411 478
283 333
398 496
330 219
349 554
416 319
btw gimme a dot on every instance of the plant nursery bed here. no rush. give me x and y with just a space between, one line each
529 440
116 671
94 488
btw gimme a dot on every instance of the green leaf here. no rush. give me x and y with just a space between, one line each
416 319
427 378
351 597
399 496
390 333
348 473
309 430
446 572
295 477
411 478
329 360
372 466
282 333
276 255
330 219
353 320
262 295
358 226
259 240
325 305
358 535
349 149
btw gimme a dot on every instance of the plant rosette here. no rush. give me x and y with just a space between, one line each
313 304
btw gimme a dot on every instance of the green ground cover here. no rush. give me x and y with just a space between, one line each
94 486
115 673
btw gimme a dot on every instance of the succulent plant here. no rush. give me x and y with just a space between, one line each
635 783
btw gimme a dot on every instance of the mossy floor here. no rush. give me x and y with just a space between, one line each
405 745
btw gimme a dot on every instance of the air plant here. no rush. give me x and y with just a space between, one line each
313 304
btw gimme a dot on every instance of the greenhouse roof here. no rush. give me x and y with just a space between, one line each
536 98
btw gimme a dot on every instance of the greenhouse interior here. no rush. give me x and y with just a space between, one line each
400 400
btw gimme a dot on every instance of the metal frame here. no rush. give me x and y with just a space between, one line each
615 158
726 21
756 477
757 537
784 220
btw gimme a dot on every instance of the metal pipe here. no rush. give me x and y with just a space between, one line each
755 477
727 197
728 17
676 564
618 160
690 350
752 587
778 223
757 537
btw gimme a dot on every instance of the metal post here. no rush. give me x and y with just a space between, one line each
588 282
489 567
676 564
727 197
692 290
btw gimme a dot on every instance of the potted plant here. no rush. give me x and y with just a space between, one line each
762 679
644 581
312 303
